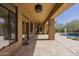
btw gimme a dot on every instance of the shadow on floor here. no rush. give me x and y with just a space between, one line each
27 50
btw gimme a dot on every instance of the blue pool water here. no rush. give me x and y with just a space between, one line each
72 35
76 35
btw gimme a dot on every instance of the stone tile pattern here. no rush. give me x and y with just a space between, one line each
61 46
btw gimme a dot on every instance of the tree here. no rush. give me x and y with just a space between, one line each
73 26
58 27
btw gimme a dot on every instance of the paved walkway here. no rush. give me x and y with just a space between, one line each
58 47
71 45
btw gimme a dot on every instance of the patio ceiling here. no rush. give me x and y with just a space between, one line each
36 17
49 11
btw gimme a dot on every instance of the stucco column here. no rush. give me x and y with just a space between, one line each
19 33
51 30
33 27
43 26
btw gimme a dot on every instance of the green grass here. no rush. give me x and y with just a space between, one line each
73 38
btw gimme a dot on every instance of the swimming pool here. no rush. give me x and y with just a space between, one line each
72 36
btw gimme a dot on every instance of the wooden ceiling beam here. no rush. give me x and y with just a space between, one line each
54 9
64 7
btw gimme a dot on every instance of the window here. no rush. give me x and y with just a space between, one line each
31 27
24 27
8 28
25 31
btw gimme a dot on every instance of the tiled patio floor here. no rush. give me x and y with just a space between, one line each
3 42
58 47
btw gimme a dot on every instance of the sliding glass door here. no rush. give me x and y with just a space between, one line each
4 30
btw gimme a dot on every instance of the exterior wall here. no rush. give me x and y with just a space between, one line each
12 48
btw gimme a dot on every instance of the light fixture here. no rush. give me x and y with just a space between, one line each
38 8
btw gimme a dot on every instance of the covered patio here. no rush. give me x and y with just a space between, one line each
40 35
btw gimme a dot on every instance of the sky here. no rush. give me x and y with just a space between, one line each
70 14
